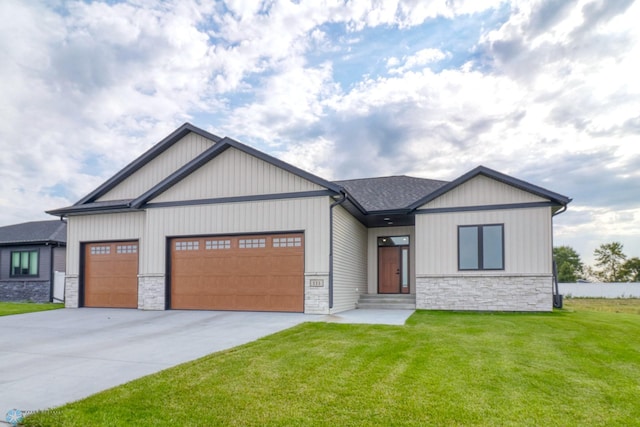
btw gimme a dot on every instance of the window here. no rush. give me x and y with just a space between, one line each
100 250
127 249
193 245
481 247
217 244
287 242
251 243
24 263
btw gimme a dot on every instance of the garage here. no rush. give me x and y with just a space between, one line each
250 272
111 274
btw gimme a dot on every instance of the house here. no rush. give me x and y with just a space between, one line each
204 222
30 254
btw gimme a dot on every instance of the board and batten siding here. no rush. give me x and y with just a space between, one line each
349 260
374 233
527 241
173 158
480 191
101 228
236 173
310 215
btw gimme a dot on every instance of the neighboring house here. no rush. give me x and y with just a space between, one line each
203 222
30 253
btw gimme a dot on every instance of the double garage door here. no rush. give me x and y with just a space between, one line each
260 272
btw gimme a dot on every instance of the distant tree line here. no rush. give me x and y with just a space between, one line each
612 265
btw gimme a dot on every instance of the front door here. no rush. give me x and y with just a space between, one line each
393 265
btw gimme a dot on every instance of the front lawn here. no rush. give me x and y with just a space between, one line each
569 368
7 308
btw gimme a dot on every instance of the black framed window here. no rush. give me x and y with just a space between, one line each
24 263
481 247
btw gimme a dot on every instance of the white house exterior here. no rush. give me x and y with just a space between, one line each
203 222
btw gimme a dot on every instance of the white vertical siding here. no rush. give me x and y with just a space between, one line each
527 241
235 173
482 190
159 168
105 227
310 215
374 233
349 260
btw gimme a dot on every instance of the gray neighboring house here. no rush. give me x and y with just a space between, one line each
205 222
30 254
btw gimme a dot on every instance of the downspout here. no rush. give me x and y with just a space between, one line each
341 200
557 298
52 275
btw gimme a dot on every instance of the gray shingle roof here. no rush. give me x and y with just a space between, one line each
389 193
34 232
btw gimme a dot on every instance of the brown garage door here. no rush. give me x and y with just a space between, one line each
111 274
261 273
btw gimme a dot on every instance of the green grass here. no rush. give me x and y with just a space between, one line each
8 308
621 305
569 368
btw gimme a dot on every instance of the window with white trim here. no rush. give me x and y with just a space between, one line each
481 247
100 250
127 249
287 242
252 243
217 244
192 245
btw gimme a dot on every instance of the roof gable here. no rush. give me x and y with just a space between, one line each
140 175
503 192
216 151
235 173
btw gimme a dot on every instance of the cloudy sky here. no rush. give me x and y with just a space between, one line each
547 91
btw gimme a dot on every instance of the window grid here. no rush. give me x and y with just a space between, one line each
217 244
127 249
192 245
100 250
287 242
252 243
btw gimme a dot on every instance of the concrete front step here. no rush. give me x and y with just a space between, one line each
387 301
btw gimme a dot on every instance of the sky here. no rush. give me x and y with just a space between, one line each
545 91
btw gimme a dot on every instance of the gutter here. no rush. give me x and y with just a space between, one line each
341 200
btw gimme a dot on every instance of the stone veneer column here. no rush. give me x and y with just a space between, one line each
484 293
71 291
151 292
316 294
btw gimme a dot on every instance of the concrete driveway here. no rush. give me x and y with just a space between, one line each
54 357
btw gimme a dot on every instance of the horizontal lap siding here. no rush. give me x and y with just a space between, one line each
527 237
235 173
159 168
310 215
349 260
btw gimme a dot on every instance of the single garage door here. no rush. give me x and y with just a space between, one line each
257 273
111 274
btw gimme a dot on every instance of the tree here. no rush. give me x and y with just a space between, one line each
609 257
568 263
631 269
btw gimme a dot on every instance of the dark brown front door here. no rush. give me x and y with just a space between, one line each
389 270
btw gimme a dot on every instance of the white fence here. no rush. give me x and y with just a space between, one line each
600 290
58 286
